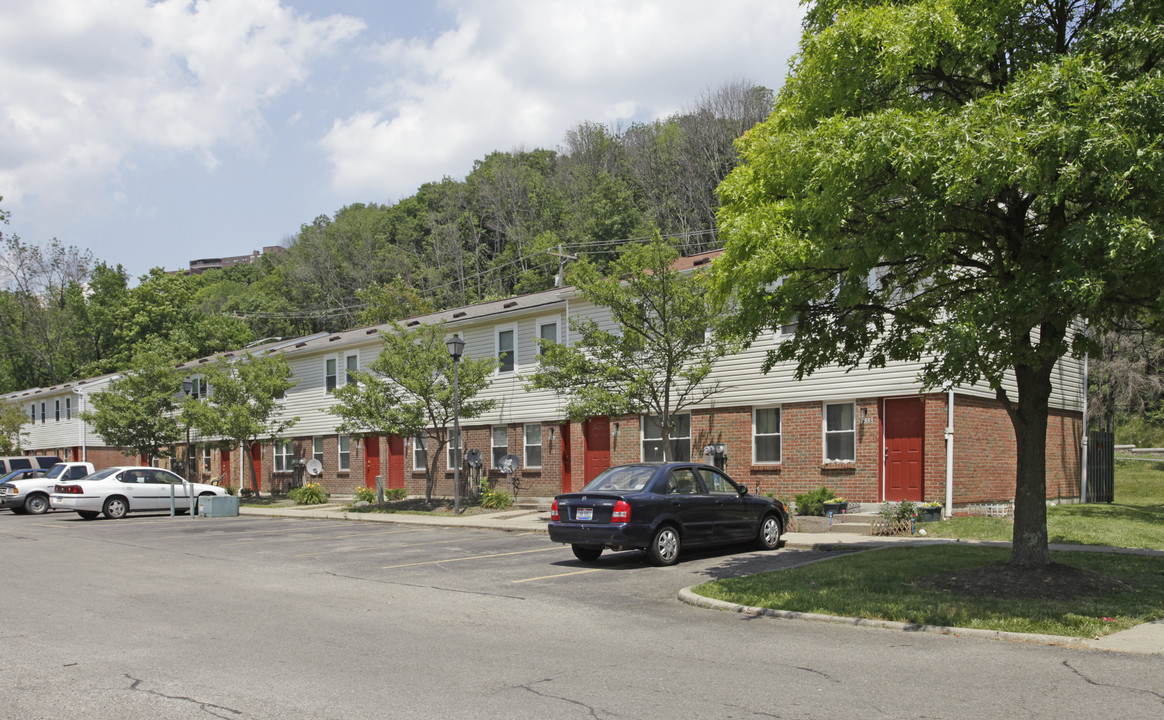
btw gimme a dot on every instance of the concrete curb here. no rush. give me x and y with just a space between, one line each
686 595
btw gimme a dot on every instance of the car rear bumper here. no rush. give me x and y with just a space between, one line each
623 535
75 502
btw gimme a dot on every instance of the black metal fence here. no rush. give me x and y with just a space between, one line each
1100 466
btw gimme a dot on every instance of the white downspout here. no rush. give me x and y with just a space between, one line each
82 406
950 454
1083 440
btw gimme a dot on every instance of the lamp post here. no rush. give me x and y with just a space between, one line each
187 386
456 347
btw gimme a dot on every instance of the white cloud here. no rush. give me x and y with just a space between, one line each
522 72
89 82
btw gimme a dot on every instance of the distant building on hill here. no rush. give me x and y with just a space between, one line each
197 267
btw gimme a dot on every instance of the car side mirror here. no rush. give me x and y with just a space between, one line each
743 489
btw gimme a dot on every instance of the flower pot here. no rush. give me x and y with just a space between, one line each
929 514
836 508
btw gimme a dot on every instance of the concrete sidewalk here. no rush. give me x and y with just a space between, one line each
1147 638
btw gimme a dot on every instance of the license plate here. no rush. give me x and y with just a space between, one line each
584 514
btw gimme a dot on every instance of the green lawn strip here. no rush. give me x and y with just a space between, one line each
877 584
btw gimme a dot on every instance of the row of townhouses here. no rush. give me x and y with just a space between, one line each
870 435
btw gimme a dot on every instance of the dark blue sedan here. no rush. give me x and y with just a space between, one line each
661 507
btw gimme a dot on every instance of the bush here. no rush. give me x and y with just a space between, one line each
309 494
230 489
904 511
395 493
812 502
246 492
365 494
495 499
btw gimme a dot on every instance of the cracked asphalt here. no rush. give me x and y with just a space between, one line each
153 617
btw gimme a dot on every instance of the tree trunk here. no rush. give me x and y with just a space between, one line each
1029 418
250 461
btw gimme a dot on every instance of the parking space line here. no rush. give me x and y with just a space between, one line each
549 577
310 538
472 557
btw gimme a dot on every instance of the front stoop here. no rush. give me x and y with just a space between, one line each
853 523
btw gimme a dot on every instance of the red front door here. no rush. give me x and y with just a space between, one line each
257 464
224 463
371 461
596 436
905 426
395 461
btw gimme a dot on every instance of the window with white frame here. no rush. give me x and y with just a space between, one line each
199 388
43 415
345 453
548 332
351 365
32 413
680 439
57 403
418 455
283 455
840 434
499 443
766 435
506 349
453 450
533 446
329 375
68 408
205 458
317 449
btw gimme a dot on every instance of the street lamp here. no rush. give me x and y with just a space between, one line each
187 386
456 347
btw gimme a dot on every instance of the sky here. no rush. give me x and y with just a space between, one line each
156 133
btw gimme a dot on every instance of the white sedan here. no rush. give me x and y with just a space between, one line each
116 491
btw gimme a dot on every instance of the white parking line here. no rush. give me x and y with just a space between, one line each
471 557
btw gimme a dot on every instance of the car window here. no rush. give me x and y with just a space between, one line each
165 478
718 483
132 476
621 479
682 482
76 472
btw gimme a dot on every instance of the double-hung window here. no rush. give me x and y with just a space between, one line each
506 349
205 458
453 451
329 375
680 439
345 453
766 435
547 332
418 454
840 434
58 409
32 413
533 445
283 455
317 449
500 443
351 365
68 408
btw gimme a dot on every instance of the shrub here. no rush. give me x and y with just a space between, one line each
230 489
812 502
246 492
365 494
495 499
309 494
903 511
395 493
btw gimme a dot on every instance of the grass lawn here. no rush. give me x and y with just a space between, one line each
1135 519
891 584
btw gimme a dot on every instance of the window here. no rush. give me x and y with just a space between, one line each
283 454
199 389
329 377
680 439
351 365
533 446
317 449
418 453
206 458
718 484
682 482
548 331
766 435
345 453
32 413
839 433
500 443
58 409
42 414
453 450
68 408
506 356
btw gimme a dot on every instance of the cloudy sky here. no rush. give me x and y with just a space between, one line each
154 133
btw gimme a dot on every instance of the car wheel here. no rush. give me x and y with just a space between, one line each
36 504
664 547
769 536
115 508
586 553
88 514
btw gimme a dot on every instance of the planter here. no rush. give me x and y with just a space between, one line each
836 508
929 514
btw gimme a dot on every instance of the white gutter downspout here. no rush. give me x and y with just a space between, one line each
950 454
82 407
1083 440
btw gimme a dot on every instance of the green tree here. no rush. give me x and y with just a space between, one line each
408 391
958 182
138 411
13 418
658 360
243 404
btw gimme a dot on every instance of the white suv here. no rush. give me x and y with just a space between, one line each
31 495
